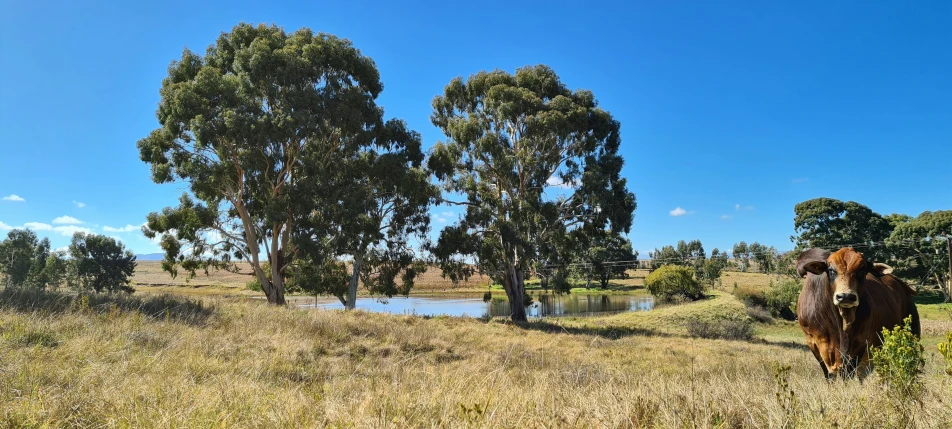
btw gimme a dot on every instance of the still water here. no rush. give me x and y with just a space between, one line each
542 305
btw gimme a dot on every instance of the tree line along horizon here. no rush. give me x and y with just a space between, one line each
292 167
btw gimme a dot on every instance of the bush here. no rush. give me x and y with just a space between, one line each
899 362
729 328
781 299
751 298
945 349
759 314
671 280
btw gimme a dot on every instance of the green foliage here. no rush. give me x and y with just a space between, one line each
741 256
101 263
764 256
826 222
536 163
604 257
666 256
286 154
899 362
919 246
671 280
945 349
781 299
714 266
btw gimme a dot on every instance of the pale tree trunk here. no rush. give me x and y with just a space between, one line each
354 280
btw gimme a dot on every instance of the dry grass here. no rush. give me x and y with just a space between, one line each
241 363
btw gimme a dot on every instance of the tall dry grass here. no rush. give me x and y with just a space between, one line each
246 364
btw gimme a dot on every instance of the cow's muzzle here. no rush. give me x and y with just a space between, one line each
846 300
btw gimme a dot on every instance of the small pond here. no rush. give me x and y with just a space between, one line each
542 305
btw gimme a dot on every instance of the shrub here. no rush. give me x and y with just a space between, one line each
781 299
751 298
899 362
670 280
945 349
759 314
729 328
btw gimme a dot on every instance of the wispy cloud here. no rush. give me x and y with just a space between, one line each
127 228
13 197
79 204
37 226
5 227
678 211
69 230
67 220
726 217
801 180
738 207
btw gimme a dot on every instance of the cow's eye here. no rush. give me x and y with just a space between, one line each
832 273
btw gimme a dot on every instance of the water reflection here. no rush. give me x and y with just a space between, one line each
542 305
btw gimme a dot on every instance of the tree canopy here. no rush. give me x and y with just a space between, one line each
287 159
830 223
101 263
921 249
534 161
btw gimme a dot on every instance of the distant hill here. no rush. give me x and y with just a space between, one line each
150 257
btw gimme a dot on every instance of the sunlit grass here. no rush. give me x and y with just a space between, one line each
247 364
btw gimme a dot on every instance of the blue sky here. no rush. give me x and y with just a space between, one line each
731 111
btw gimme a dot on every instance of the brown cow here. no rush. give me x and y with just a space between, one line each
845 303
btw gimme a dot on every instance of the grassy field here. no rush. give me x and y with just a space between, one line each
164 361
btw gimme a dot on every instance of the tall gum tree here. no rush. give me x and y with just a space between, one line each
534 162
261 129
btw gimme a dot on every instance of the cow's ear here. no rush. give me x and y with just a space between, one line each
880 269
815 267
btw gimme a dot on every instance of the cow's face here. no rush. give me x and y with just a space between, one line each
847 271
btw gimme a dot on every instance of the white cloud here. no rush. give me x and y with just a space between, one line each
37 226
441 219
127 228
447 214
738 207
79 204
678 212
13 197
67 220
61 249
558 183
726 217
5 227
69 230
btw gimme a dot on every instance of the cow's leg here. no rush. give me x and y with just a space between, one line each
819 359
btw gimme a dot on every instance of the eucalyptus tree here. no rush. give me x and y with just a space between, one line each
922 248
101 263
534 161
831 223
267 129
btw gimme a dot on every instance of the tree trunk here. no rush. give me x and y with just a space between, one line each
948 278
515 286
354 278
